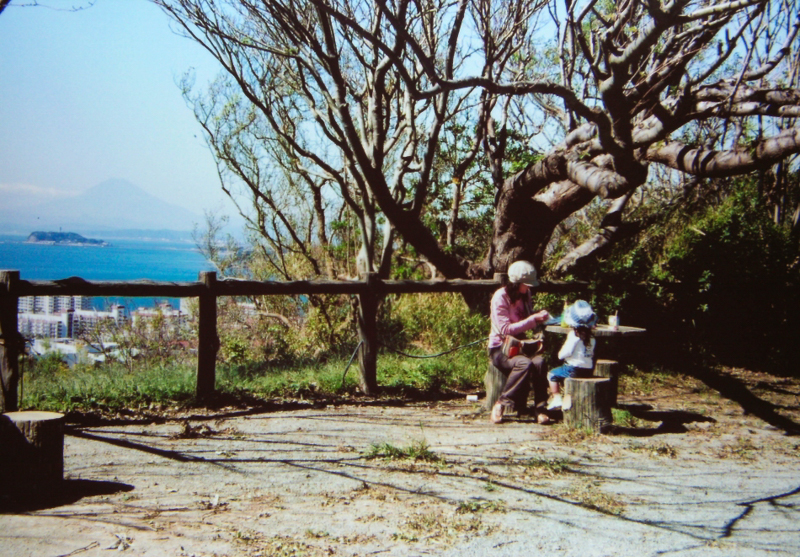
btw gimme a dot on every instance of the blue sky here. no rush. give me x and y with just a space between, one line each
90 95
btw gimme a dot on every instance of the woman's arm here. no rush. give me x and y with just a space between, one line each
502 318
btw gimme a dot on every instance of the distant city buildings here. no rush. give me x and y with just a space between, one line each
64 317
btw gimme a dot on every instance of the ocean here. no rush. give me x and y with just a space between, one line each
120 260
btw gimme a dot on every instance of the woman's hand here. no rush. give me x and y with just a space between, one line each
541 316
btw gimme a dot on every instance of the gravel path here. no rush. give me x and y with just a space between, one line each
303 483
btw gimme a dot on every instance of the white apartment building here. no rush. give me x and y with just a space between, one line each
53 304
175 317
62 316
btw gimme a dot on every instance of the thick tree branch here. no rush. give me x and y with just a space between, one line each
709 163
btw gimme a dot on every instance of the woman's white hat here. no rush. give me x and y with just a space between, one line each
523 272
580 314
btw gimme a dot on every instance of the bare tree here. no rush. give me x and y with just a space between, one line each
357 96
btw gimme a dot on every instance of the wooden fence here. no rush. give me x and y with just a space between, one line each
368 293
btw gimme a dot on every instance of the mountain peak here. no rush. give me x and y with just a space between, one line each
113 204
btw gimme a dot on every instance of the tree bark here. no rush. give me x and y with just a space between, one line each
10 342
367 322
494 381
587 403
31 452
610 370
207 339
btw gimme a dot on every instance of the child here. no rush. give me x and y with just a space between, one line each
577 351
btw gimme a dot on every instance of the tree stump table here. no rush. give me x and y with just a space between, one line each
31 452
587 403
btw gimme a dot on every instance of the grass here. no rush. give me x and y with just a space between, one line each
108 388
112 387
624 418
416 451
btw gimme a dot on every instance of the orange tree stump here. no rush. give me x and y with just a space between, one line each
31 452
587 403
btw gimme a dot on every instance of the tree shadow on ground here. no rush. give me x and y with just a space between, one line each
235 405
61 493
670 421
736 390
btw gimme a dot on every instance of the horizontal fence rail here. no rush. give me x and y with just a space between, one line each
75 286
207 290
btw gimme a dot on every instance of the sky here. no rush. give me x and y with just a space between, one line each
90 95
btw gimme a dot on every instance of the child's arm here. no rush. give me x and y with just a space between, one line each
569 346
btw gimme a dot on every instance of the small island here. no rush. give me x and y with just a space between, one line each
63 238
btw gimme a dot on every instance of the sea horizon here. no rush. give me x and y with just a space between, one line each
120 260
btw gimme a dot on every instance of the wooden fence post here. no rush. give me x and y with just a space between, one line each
368 335
10 342
207 339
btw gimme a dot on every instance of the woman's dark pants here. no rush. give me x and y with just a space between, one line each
523 372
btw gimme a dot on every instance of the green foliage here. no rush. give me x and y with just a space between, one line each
435 321
110 388
49 365
418 451
711 271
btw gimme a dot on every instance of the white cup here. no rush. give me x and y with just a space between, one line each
613 322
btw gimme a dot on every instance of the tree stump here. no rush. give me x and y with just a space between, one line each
610 369
31 452
494 381
587 403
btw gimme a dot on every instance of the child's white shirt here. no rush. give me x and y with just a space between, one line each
576 353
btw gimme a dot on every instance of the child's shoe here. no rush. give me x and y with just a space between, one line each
555 403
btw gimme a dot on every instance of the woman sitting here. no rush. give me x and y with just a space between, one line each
512 315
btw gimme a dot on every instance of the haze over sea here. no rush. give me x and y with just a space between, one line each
121 260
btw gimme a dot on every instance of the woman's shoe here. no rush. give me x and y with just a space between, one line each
543 419
496 416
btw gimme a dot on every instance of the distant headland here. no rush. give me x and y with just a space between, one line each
63 238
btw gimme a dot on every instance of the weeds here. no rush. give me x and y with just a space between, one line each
476 506
588 494
436 525
417 451
743 449
547 467
658 449
623 418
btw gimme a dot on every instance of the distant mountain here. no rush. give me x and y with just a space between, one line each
111 205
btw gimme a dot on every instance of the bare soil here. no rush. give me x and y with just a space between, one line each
687 471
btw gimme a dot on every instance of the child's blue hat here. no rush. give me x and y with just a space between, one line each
580 314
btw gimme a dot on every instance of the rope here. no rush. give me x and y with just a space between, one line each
360 342
407 355
436 355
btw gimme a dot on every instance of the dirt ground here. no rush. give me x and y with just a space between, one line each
686 472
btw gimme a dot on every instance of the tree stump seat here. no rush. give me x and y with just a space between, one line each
609 369
31 452
494 381
587 403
